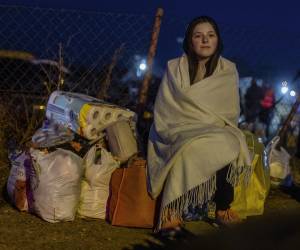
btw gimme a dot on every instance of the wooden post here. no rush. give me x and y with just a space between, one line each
60 66
102 94
282 131
151 53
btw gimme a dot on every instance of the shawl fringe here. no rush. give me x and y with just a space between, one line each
202 194
239 174
198 195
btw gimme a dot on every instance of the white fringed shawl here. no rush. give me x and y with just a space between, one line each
194 134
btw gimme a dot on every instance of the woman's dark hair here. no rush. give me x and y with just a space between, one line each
211 64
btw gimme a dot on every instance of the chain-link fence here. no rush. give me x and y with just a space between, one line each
87 52
45 49
81 45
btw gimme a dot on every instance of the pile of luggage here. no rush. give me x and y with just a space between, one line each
84 161
68 168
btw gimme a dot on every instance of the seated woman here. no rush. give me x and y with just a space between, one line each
196 152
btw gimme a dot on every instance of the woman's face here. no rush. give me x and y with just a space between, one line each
204 40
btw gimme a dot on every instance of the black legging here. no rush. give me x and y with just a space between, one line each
224 193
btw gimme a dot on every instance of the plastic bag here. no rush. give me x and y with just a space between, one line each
93 201
17 181
279 162
249 200
99 166
59 176
98 171
51 134
84 114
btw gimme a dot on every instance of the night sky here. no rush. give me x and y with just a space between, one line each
254 12
268 30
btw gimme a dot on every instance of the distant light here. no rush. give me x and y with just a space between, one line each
142 66
292 93
39 107
284 89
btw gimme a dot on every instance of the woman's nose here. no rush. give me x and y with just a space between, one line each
204 39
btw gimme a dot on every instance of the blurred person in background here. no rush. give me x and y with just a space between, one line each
253 97
267 108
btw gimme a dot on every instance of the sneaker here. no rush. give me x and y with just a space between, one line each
227 217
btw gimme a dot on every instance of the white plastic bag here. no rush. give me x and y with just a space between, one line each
92 201
98 172
278 161
59 175
95 187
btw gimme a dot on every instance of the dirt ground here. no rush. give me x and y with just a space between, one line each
26 231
